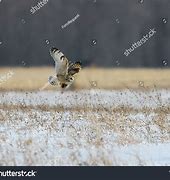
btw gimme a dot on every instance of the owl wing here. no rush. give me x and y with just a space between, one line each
61 63
74 68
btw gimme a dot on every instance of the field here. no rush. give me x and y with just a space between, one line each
32 79
122 119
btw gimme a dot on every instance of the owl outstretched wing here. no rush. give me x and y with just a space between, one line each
61 62
74 68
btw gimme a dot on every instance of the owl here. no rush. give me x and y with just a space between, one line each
65 70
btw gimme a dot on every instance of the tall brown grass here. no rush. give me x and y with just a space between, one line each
34 78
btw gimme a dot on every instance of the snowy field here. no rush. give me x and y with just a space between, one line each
90 127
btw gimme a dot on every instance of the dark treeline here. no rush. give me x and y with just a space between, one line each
102 32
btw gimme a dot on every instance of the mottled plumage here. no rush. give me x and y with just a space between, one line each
64 69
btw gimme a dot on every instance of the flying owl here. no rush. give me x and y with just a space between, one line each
64 69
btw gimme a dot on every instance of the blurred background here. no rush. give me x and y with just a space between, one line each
98 37
95 32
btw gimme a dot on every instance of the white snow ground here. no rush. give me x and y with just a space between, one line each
94 127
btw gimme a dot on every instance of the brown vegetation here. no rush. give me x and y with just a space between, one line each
28 79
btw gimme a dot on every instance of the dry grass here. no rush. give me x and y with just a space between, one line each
34 78
101 119
82 133
79 134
